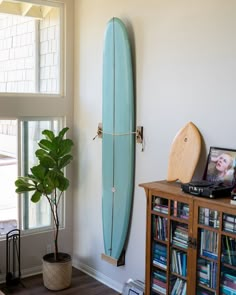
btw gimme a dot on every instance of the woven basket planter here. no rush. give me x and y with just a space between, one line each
57 274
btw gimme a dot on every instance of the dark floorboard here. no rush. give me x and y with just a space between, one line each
82 284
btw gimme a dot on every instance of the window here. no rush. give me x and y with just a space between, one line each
28 108
31 216
30 54
34 215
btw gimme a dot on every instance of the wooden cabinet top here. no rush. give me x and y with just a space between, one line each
173 189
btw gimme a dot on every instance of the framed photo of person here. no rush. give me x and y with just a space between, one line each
221 166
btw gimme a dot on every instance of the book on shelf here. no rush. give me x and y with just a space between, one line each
160 205
180 210
179 262
227 290
230 277
180 235
160 275
159 263
207 273
214 218
229 223
209 217
229 250
179 287
159 289
208 243
160 227
206 216
209 254
228 283
175 205
184 263
161 208
159 281
230 218
160 255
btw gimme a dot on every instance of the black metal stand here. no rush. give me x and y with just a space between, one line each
13 270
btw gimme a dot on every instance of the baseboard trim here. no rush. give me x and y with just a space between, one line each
98 276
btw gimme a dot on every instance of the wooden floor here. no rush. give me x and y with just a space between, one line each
82 284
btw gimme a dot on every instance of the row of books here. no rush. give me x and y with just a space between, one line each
209 244
207 273
229 223
161 208
179 262
229 250
228 284
160 205
180 209
160 255
209 217
180 235
160 228
179 287
159 281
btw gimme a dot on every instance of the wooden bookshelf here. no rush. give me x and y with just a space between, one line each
190 242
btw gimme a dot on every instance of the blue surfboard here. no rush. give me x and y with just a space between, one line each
118 143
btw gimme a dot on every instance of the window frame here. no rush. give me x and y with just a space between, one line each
19 106
62 62
21 158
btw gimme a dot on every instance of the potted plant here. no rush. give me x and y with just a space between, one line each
48 180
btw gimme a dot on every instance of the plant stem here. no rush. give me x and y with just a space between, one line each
54 212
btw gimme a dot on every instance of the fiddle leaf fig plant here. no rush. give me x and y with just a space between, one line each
47 179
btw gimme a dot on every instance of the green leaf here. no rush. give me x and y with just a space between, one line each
24 189
23 185
48 134
21 181
63 183
38 172
63 132
40 153
46 145
65 147
47 162
36 197
63 162
51 180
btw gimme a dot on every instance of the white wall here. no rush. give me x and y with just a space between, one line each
185 70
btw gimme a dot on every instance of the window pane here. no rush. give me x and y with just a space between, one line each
8 174
30 51
35 215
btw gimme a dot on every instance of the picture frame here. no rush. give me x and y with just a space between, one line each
221 166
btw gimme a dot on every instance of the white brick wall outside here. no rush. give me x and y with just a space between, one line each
18 54
49 42
15 48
